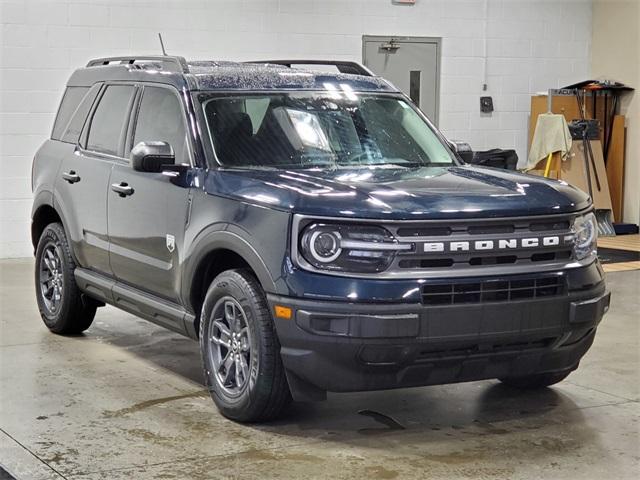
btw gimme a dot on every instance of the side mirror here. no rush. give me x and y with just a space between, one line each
152 156
463 149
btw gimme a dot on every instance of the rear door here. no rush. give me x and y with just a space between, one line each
81 189
146 227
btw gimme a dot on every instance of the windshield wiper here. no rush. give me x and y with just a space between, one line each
405 164
301 166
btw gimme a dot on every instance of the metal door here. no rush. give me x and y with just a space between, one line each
148 211
411 63
81 190
81 194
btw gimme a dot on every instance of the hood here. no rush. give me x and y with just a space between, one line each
399 193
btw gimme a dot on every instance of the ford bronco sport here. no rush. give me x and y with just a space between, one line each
314 231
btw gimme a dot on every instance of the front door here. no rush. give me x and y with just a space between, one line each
147 223
411 64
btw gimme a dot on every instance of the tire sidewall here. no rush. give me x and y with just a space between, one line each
53 235
230 284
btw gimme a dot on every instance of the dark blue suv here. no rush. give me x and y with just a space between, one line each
313 230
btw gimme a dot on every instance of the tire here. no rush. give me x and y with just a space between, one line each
62 306
246 379
539 380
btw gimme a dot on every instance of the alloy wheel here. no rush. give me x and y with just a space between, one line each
230 338
51 278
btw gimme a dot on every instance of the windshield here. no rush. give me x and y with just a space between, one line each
336 129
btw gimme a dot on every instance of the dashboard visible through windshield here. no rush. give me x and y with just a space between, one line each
329 130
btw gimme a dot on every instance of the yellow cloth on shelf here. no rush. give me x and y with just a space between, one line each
551 135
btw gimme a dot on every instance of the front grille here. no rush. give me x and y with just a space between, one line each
465 245
474 261
457 248
493 290
484 227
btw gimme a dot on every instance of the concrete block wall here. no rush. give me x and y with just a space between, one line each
616 25
531 45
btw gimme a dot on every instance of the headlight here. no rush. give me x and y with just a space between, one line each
349 248
585 231
323 245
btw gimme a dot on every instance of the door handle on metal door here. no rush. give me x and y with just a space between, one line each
71 176
123 189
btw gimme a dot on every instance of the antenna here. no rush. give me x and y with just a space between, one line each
162 44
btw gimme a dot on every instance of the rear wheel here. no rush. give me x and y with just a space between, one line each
539 380
240 350
62 306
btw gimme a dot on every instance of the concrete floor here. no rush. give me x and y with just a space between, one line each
126 400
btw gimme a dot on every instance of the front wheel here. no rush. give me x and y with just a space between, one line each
240 350
538 380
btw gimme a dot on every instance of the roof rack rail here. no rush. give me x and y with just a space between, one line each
343 66
169 62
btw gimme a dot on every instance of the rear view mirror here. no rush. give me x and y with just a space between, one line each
152 156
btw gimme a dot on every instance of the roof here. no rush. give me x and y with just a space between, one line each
223 75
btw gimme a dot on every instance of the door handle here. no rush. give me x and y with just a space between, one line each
71 176
123 189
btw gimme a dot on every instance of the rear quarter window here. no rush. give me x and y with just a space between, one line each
74 127
70 101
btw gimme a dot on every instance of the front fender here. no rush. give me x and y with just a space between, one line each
214 238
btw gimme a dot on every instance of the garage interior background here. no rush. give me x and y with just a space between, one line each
530 46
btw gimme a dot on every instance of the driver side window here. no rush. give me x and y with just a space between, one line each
160 119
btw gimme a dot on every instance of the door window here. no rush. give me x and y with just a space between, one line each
160 119
109 119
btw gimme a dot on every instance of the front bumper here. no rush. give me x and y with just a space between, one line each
343 347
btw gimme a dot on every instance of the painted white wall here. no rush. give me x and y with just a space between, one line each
532 45
616 56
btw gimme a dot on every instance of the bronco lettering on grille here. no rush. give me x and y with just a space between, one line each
486 245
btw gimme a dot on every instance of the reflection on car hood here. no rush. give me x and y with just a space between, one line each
399 193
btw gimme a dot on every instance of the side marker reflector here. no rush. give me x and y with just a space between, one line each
283 312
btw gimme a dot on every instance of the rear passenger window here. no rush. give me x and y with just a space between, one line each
72 133
109 119
70 101
160 119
